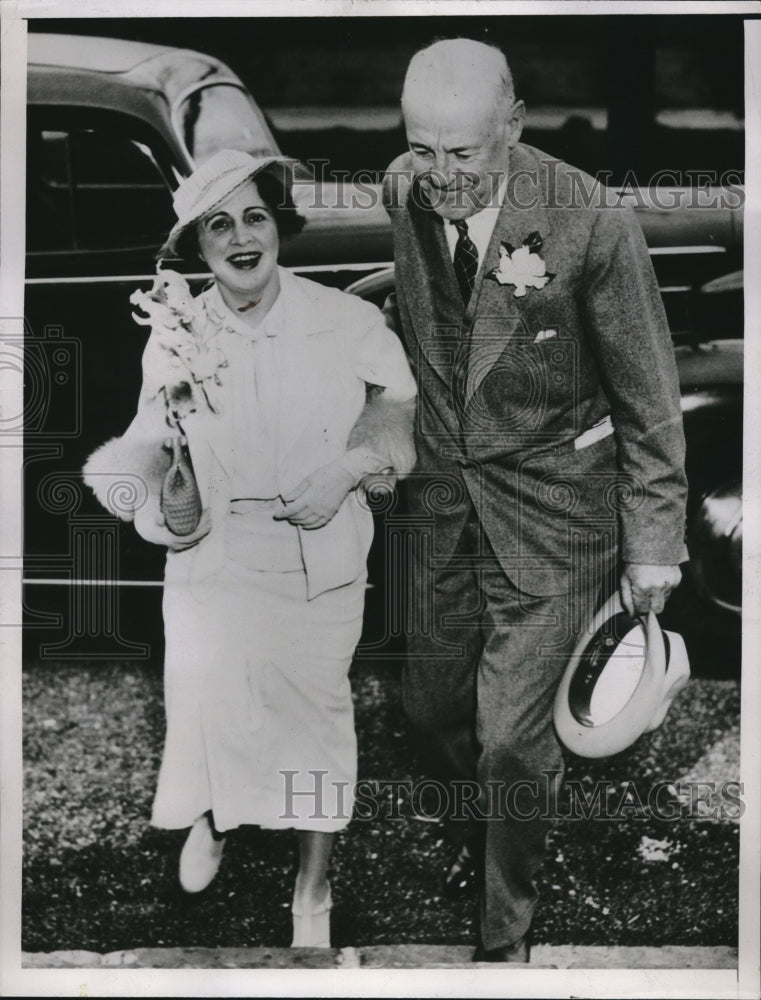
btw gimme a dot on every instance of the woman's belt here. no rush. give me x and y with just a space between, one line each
256 540
246 505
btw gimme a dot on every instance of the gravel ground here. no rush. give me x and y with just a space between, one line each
97 877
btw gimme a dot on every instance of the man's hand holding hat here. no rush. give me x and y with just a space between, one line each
645 587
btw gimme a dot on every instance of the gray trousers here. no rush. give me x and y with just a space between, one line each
479 689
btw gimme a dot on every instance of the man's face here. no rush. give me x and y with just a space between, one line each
460 147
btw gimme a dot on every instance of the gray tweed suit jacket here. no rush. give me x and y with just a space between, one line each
538 371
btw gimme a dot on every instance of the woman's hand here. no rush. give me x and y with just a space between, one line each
316 499
152 527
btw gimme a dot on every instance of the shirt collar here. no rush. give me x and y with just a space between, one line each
223 316
480 225
488 211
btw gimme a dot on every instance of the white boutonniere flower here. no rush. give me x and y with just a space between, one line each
191 373
523 268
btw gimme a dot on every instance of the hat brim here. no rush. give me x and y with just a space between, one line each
677 675
290 167
580 734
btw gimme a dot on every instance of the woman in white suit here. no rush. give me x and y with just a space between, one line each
263 601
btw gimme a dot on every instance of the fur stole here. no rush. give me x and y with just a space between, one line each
126 473
385 426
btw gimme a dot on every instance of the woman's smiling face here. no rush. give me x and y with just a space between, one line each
239 241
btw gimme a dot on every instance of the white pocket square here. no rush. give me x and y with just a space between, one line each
551 331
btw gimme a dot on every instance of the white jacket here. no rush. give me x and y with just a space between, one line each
330 346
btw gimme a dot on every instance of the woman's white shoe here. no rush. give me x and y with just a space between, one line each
200 857
311 928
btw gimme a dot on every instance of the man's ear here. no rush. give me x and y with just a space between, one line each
515 123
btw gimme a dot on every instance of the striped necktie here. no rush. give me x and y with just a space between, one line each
465 260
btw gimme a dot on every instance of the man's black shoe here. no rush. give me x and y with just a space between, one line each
465 874
519 952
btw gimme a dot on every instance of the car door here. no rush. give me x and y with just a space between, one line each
98 206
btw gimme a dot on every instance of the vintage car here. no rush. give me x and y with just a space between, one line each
112 127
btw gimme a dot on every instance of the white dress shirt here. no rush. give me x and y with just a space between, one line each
254 389
480 227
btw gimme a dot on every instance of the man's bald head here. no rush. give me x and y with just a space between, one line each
462 120
459 69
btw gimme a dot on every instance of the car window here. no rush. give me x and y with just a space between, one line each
221 116
93 188
49 223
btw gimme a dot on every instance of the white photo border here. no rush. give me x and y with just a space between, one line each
15 981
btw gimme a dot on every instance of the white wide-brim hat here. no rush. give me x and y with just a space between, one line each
619 683
216 179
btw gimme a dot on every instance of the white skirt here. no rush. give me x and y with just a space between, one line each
260 721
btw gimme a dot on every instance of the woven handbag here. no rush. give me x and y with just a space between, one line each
180 499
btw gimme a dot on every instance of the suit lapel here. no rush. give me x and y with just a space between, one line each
494 315
304 369
211 431
207 440
435 304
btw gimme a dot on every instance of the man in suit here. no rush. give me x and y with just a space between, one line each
550 450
